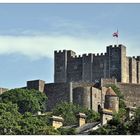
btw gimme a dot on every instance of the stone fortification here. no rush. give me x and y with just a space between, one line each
68 67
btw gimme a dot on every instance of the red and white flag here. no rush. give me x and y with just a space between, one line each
115 34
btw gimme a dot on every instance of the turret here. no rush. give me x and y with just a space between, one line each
111 100
117 62
36 84
60 65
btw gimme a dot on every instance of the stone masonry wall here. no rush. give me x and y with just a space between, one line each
68 67
57 92
82 84
88 97
99 67
82 97
96 99
131 93
87 61
36 84
83 94
74 69
105 82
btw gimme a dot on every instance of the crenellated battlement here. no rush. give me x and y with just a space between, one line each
100 54
59 51
115 46
94 55
77 56
138 58
134 57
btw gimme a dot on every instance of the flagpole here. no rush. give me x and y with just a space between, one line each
117 41
117 37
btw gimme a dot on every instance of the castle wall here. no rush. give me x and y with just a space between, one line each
95 98
78 93
74 69
87 68
56 93
99 67
131 93
105 82
82 84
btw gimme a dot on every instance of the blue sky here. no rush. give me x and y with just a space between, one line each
29 34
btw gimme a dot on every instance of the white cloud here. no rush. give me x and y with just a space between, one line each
43 46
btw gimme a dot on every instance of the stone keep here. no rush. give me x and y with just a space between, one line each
68 67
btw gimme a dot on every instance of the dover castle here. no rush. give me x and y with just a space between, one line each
82 79
91 68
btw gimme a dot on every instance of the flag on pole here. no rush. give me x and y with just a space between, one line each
115 34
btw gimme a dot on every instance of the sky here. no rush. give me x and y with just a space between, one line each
29 34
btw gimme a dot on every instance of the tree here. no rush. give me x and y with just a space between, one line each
69 111
92 116
67 131
134 125
34 125
116 126
9 119
17 113
27 100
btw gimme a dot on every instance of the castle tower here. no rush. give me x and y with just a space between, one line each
61 59
111 100
60 66
82 97
36 84
117 63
